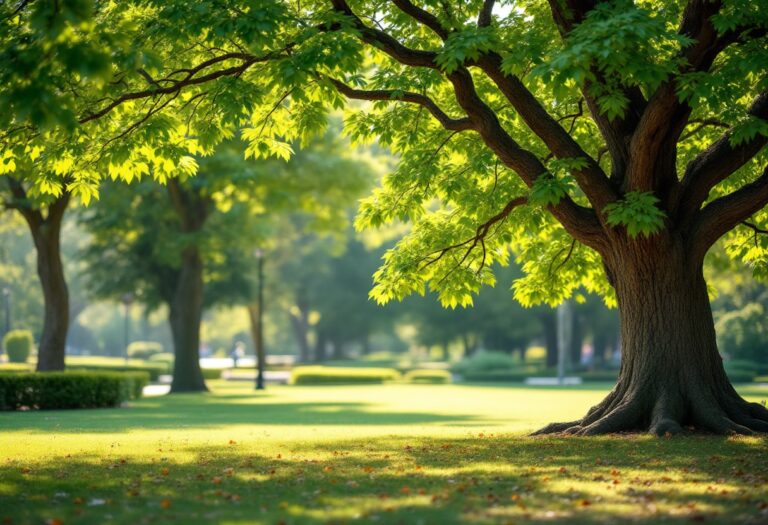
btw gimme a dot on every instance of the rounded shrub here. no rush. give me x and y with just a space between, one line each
18 345
428 376
485 362
144 349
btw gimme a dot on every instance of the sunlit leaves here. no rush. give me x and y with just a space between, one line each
637 212
466 45
619 44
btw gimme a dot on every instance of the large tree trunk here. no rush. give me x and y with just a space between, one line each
186 310
53 340
671 375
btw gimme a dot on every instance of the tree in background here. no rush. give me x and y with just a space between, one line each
190 245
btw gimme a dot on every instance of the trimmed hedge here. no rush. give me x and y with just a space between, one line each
58 390
18 345
327 375
428 376
155 370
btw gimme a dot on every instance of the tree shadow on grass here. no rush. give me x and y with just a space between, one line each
489 479
209 412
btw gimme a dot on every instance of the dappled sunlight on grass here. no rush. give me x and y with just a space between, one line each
372 454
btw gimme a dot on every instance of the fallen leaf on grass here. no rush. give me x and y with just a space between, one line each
165 503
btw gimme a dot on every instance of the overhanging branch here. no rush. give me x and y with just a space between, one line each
453 124
723 214
718 162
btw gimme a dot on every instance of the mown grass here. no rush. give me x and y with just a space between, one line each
375 454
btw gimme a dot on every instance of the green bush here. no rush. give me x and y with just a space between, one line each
18 345
155 370
428 376
485 361
166 358
58 390
327 375
212 373
144 349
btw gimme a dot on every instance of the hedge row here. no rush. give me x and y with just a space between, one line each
328 375
57 390
155 370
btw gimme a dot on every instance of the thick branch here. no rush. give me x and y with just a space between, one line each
385 42
580 222
722 215
21 203
567 14
718 162
424 17
665 117
591 179
484 18
453 124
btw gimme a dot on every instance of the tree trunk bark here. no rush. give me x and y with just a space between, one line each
186 310
53 340
671 374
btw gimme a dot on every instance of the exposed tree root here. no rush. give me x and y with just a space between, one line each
663 414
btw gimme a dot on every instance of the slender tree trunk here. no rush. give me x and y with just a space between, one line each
320 347
53 340
257 335
300 324
577 339
549 323
186 310
671 375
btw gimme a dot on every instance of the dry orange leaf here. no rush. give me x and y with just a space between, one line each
165 503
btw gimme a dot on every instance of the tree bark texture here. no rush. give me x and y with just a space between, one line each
672 376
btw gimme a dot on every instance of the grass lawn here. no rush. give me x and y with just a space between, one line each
377 454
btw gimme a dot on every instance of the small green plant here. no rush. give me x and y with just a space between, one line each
486 361
144 349
18 345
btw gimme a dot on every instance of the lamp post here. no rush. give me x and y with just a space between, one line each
127 300
259 255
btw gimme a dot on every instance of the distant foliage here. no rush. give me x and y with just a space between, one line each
18 345
743 334
486 361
